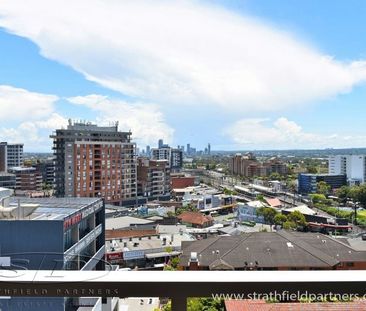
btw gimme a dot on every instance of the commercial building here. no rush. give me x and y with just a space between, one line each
145 250
51 234
308 183
353 166
7 180
27 178
11 155
153 178
94 161
172 155
281 250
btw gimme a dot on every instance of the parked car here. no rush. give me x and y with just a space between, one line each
363 237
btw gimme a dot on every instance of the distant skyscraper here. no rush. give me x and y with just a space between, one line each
92 161
188 149
209 148
148 151
160 143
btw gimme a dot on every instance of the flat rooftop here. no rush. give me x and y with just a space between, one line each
125 222
49 208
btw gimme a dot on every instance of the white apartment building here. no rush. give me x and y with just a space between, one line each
11 155
353 166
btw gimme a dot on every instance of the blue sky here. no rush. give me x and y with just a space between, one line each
260 74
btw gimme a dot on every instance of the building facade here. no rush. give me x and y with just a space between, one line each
27 178
174 157
51 234
47 170
11 155
353 166
308 183
153 178
248 166
7 180
93 161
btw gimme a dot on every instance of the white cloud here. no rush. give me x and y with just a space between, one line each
284 134
174 52
21 104
29 117
144 120
34 134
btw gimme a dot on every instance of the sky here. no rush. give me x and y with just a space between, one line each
238 74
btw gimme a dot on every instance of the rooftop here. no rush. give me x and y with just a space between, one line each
273 249
44 208
196 218
125 222
153 242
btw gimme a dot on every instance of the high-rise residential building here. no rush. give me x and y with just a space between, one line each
153 178
93 161
11 155
51 234
172 155
248 166
353 166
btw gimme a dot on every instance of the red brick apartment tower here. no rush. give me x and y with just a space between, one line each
92 161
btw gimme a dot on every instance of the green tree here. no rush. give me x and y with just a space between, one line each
268 214
297 218
343 194
358 195
279 219
318 198
312 169
289 225
275 176
323 188
206 304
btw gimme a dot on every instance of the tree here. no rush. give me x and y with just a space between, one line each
279 219
207 304
323 187
297 218
343 194
275 176
288 225
189 207
318 198
358 194
312 169
268 214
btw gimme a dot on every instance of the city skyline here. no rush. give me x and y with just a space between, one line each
250 75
